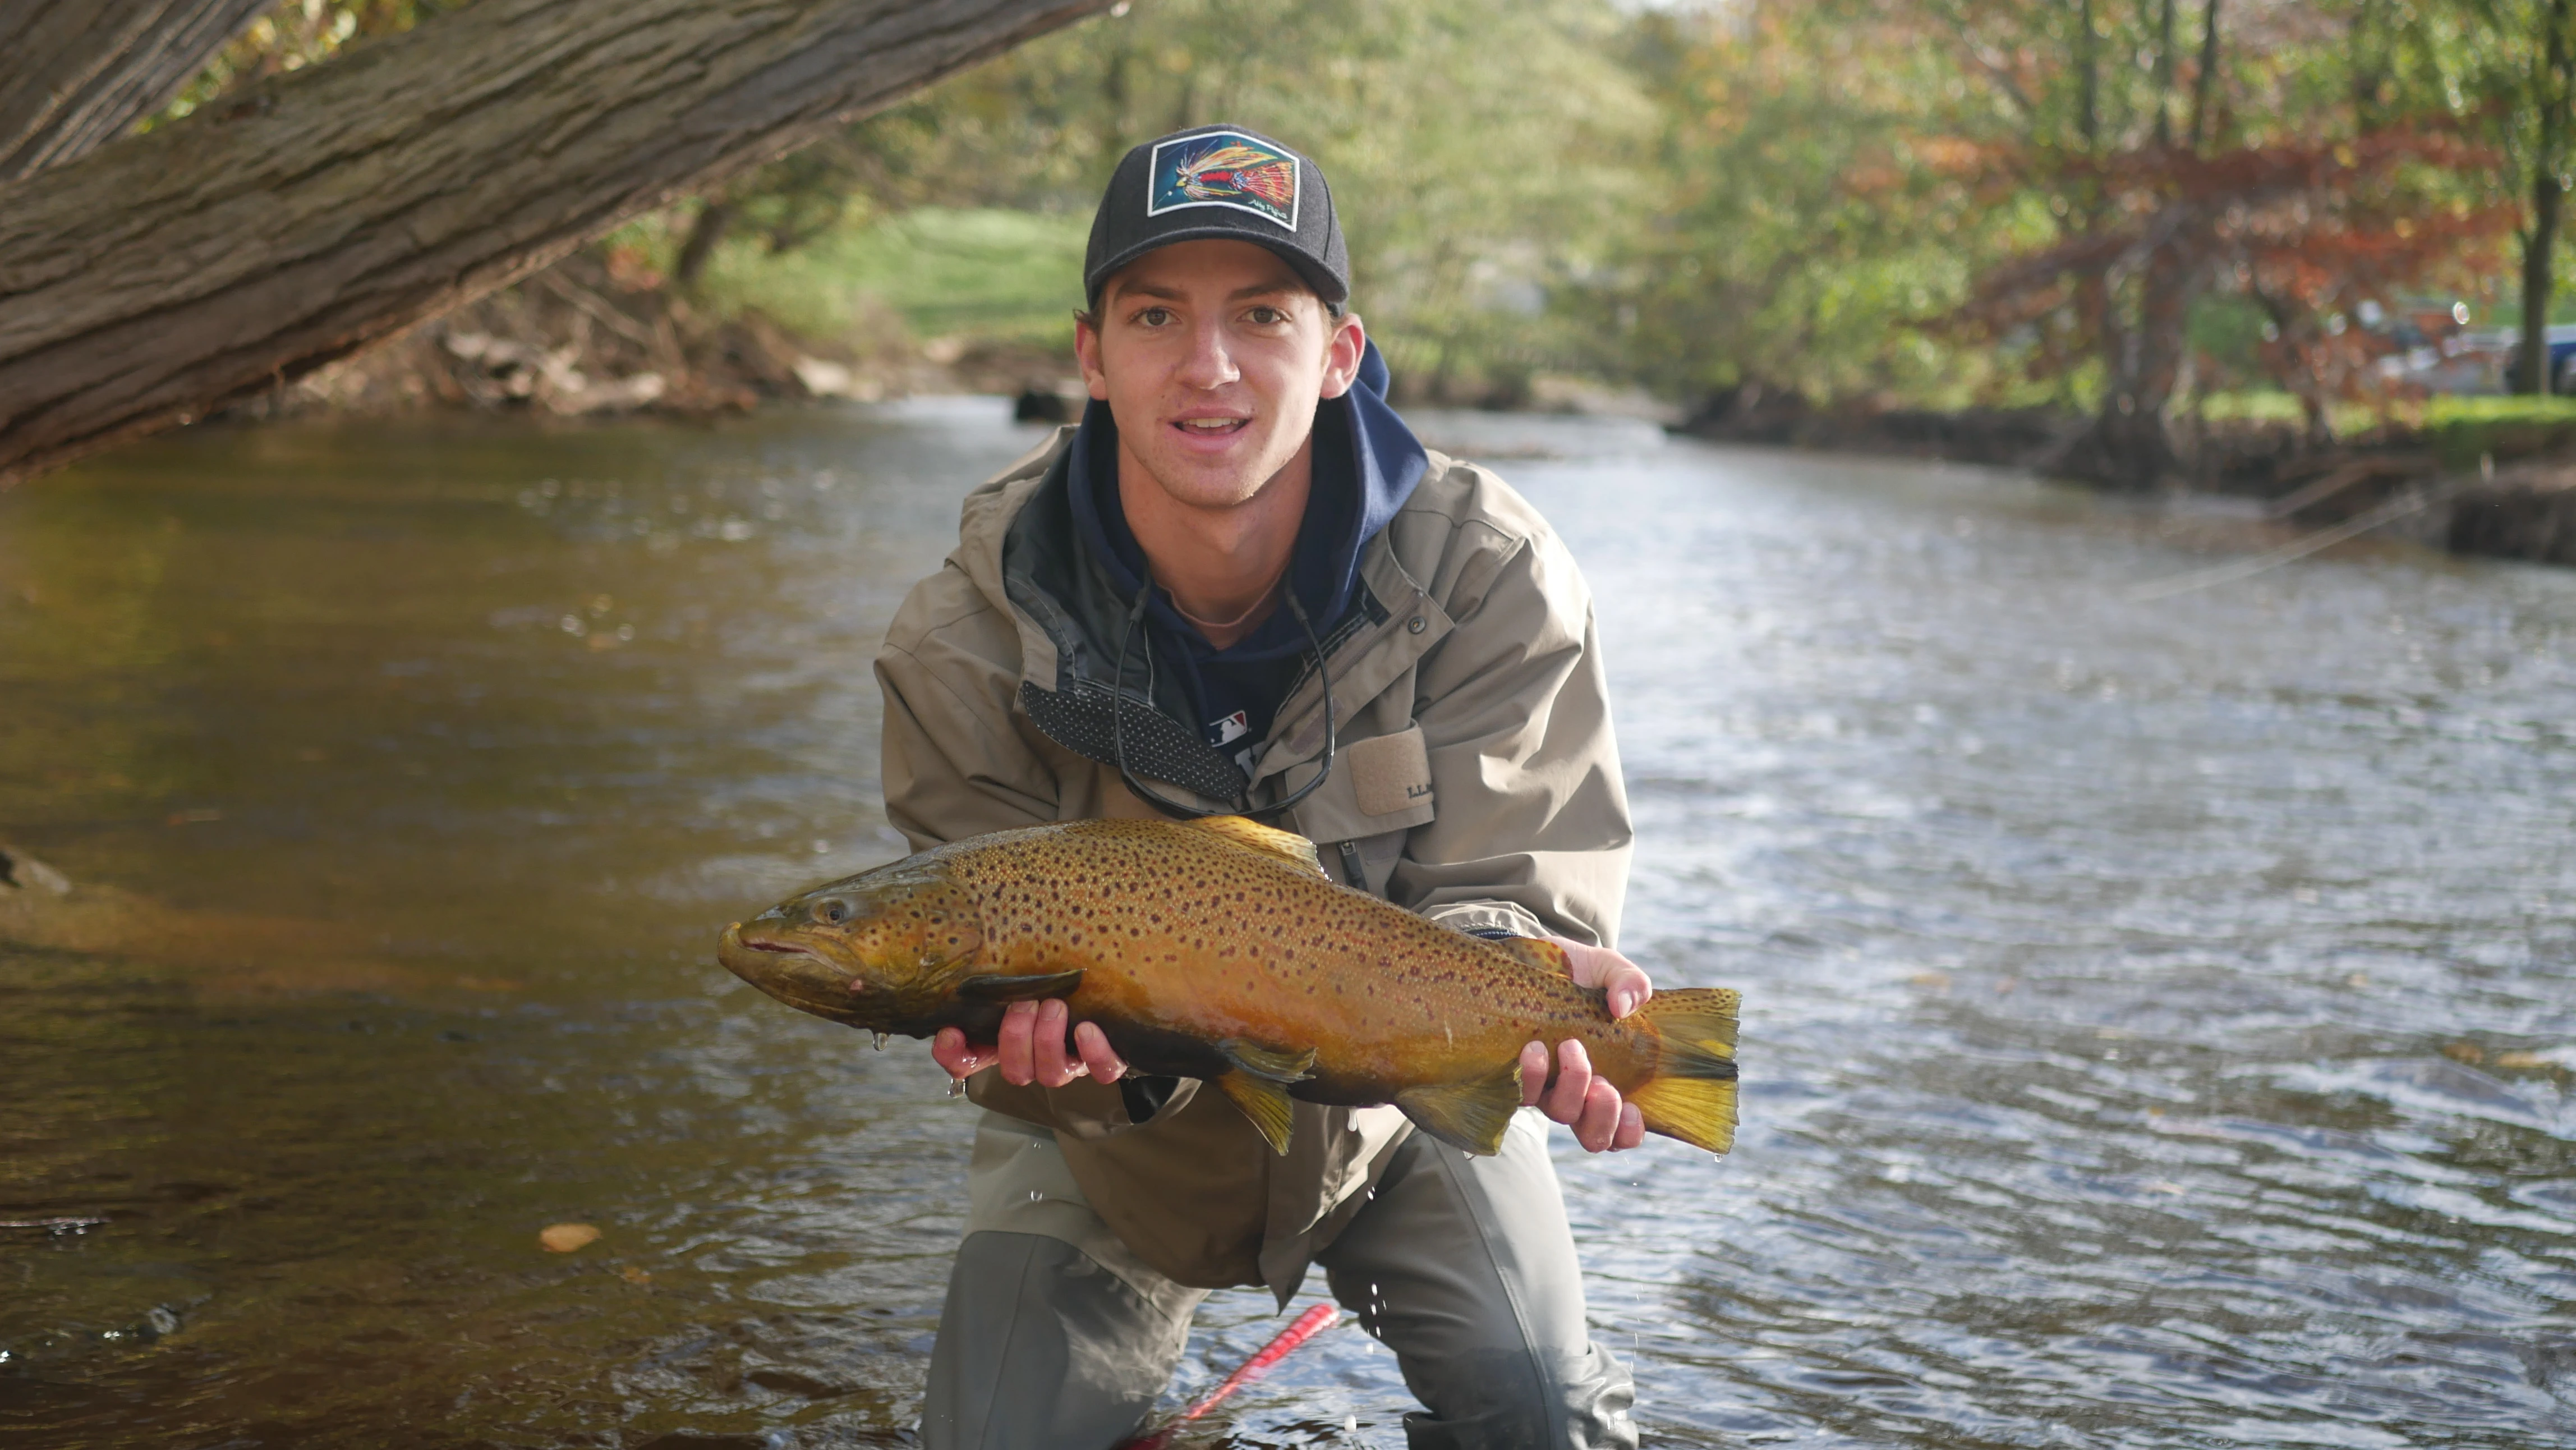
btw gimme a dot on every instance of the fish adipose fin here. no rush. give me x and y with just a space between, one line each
1692 1094
1547 956
1471 1115
1284 846
1005 987
1265 1103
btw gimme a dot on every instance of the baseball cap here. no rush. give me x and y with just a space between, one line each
1218 181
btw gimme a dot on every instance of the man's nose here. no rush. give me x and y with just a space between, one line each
1210 363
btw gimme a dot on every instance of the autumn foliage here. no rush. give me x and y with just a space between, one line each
2307 231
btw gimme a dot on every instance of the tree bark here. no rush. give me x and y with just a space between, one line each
2205 78
2557 91
329 208
715 218
75 73
2539 249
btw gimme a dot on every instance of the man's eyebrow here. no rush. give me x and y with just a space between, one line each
1271 288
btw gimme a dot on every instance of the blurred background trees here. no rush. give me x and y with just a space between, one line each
2141 213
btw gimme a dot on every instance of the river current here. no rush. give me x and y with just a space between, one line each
2159 1019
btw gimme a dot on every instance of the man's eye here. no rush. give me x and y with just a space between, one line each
1266 317
1154 316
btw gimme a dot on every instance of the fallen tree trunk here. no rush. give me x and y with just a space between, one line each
75 73
312 214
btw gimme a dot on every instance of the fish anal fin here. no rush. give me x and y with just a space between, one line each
1008 987
1272 1064
1266 1103
1547 956
1472 1114
1285 846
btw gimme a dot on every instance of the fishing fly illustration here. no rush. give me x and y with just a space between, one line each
1225 168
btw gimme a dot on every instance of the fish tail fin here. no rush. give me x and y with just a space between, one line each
1692 1094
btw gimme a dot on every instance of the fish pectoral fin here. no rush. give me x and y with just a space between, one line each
1274 1064
1266 1103
1547 956
1471 1115
1285 846
1005 987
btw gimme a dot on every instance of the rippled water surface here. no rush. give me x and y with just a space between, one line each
2159 1014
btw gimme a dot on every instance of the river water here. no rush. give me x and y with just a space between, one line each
2159 1018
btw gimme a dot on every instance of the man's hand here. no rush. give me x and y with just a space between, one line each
1587 1104
1033 1047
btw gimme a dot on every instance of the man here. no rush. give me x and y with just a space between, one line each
1240 585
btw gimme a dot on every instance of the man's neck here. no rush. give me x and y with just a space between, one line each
1219 564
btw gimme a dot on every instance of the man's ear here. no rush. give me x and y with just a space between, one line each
1086 352
1342 354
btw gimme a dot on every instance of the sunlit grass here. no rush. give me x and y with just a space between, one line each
1007 276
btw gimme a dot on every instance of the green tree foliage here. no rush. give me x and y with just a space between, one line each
1483 153
2113 205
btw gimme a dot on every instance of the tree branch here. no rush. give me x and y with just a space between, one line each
75 73
330 208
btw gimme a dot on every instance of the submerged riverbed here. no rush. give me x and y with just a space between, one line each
2160 1015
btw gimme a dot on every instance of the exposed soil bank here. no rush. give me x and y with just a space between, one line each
2507 492
588 337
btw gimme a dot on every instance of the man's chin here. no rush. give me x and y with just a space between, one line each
1207 478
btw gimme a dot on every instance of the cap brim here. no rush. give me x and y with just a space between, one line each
1326 285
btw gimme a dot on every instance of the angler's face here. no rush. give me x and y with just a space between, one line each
845 950
1212 356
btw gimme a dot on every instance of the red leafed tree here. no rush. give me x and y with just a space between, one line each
2306 230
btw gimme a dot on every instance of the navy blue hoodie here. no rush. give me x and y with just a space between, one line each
1366 464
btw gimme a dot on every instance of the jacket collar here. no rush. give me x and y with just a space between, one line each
1062 571
1366 464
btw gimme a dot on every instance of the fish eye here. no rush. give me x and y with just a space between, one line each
832 911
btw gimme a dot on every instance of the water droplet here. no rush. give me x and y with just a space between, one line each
1036 1197
881 1040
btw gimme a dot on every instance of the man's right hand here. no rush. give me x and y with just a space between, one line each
1033 1046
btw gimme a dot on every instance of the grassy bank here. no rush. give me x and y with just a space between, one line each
989 275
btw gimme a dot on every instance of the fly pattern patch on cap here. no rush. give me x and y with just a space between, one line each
1224 168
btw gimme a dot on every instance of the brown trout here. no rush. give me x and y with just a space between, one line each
1218 949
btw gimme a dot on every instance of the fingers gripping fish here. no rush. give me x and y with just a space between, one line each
1218 949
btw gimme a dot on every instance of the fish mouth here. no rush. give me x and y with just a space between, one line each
791 972
757 957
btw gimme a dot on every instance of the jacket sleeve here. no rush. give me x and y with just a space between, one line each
954 760
1533 833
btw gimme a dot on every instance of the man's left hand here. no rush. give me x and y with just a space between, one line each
1588 1104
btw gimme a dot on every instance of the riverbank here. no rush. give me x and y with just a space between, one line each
2489 477
605 333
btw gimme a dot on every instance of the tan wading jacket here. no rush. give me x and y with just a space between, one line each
1477 783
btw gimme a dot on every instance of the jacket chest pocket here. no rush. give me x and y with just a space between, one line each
1380 788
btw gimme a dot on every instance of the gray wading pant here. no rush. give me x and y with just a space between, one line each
1056 1337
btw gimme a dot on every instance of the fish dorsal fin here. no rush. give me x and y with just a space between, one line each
1547 956
1472 1114
1265 1103
1250 834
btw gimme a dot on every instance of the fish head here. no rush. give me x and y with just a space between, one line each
880 950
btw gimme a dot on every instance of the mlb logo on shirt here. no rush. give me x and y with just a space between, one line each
1230 729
